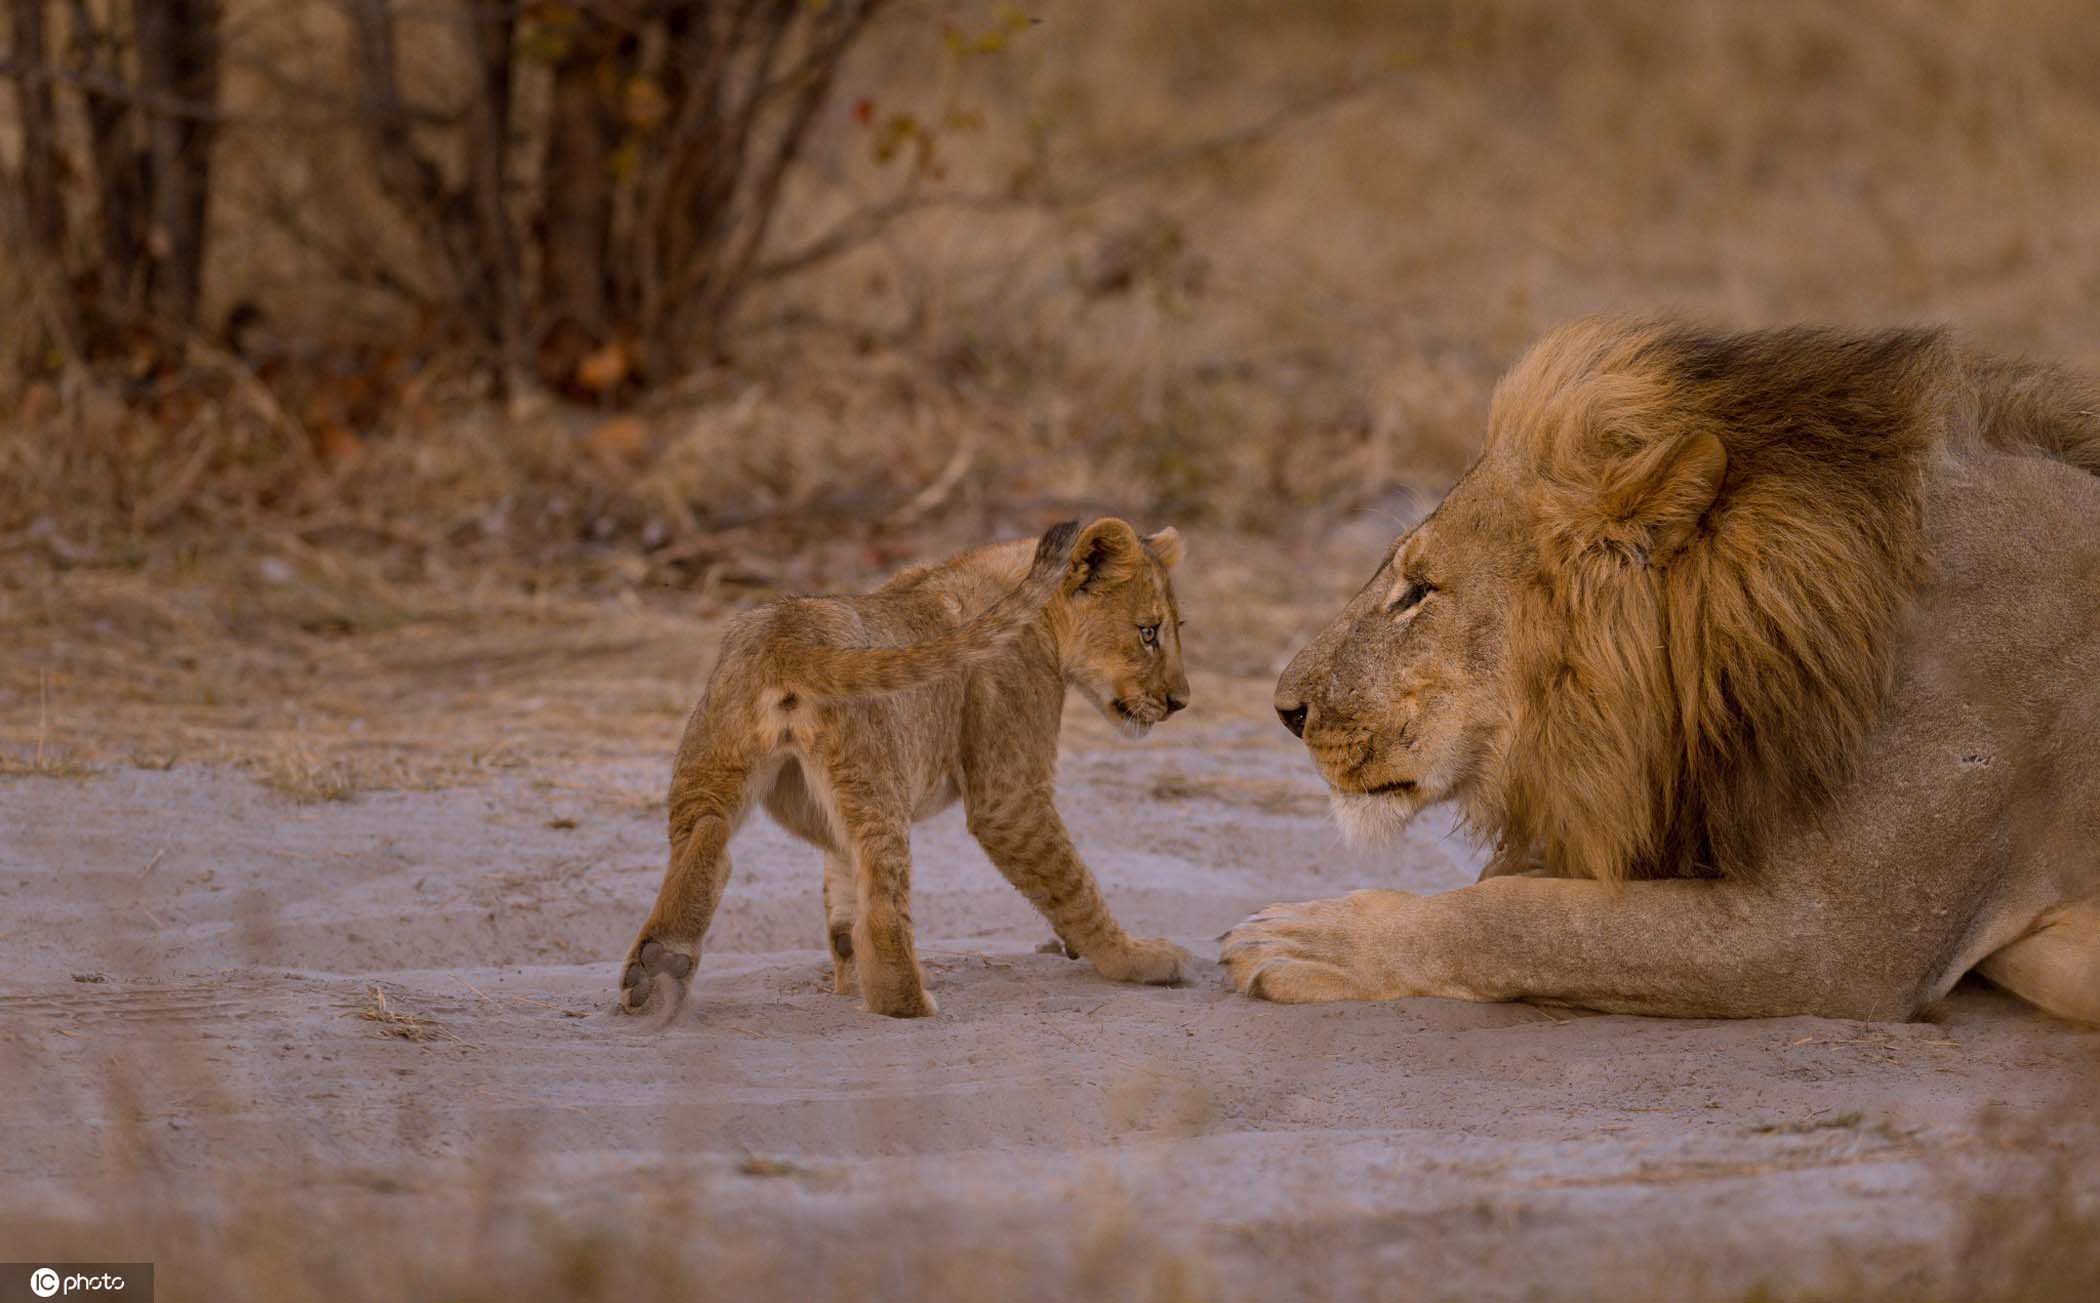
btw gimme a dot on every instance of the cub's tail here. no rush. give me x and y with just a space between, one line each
831 672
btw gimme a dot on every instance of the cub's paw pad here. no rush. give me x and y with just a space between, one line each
654 966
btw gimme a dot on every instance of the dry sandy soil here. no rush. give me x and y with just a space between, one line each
348 1048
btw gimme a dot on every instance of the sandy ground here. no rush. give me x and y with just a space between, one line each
193 967
198 925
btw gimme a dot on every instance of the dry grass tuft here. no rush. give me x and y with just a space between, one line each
394 1021
45 760
43 765
307 779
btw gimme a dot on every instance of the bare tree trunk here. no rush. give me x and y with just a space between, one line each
688 186
43 207
36 214
177 43
120 177
576 206
493 29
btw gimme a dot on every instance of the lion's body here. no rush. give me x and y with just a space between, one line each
1769 662
849 718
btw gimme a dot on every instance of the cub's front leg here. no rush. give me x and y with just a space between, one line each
1021 831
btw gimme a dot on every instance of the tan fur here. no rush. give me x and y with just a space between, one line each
1784 631
851 717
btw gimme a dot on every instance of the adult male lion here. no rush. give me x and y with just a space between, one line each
1768 662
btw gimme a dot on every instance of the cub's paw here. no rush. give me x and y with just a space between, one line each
899 1003
1057 946
1154 961
654 977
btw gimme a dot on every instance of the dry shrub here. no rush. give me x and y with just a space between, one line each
1298 324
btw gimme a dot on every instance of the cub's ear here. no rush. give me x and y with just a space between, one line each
1107 553
1166 545
1648 504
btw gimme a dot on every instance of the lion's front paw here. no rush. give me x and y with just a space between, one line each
1313 951
654 977
1154 961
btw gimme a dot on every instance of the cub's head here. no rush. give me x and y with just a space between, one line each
1120 637
1404 699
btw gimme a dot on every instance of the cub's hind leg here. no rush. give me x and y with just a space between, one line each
884 957
876 825
711 791
840 895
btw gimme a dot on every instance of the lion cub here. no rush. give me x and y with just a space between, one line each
853 717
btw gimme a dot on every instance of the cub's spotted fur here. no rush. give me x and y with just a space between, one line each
851 717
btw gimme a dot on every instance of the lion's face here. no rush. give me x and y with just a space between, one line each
1405 699
1122 629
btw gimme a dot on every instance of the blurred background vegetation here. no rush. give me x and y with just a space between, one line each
647 285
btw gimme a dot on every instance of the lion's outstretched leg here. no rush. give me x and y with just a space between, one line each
2056 967
840 896
710 793
1680 948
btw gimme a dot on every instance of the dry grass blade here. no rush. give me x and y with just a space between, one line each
45 761
392 1021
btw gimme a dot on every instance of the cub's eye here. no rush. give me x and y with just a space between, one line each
1148 634
1412 597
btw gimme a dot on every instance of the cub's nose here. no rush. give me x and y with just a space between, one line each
1175 703
1293 718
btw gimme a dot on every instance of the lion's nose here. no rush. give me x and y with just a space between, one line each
1176 703
1293 718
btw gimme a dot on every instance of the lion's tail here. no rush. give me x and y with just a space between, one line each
2037 407
833 672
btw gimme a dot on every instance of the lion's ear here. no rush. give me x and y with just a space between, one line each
1655 498
1107 553
1166 545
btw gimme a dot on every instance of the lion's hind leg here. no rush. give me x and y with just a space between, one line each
2056 967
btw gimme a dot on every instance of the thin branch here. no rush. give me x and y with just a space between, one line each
116 90
352 265
766 196
410 178
868 223
45 279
